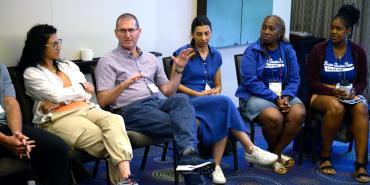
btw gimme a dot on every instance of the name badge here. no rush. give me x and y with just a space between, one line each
207 87
153 88
1 109
276 87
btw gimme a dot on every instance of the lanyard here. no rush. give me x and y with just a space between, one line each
339 61
146 79
280 74
204 65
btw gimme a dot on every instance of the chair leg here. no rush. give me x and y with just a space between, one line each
107 171
175 164
145 156
235 155
314 141
350 146
164 153
300 145
96 167
251 125
73 178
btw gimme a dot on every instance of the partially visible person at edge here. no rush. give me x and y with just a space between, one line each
217 114
129 80
270 79
61 94
23 141
340 62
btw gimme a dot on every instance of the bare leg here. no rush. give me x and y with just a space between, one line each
124 169
218 150
244 139
360 128
272 125
333 111
291 128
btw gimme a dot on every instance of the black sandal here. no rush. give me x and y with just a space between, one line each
362 177
325 169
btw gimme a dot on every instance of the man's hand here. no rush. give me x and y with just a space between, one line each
183 58
89 87
29 144
48 106
132 79
19 144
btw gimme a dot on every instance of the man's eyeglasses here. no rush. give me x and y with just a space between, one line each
55 44
130 30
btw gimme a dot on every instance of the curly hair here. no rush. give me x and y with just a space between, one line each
34 46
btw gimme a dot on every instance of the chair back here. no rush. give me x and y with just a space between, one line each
238 61
25 102
167 66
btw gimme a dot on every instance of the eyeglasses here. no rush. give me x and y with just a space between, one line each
55 44
130 30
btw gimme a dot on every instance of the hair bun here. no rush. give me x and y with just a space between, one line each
350 13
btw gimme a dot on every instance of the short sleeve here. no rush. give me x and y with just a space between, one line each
8 88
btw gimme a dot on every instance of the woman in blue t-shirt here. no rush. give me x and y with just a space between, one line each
270 79
217 114
337 75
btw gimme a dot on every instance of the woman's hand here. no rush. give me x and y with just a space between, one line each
209 92
283 104
48 106
340 93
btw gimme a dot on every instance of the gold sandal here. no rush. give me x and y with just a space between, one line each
279 168
361 177
287 161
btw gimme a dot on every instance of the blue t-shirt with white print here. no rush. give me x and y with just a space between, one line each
274 69
337 70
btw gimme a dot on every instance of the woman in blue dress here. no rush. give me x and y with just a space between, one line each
217 114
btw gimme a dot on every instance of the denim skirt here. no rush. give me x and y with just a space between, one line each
255 106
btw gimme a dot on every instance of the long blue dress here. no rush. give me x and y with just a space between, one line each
216 113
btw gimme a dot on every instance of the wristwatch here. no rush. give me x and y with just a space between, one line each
179 70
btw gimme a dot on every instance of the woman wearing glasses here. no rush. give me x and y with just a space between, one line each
270 79
217 114
61 94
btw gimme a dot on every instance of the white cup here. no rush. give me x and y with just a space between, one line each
87 54
347 87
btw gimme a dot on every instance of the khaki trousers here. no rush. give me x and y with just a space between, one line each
98 132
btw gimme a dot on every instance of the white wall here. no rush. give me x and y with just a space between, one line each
90 24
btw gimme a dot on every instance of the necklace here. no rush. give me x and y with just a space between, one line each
341 64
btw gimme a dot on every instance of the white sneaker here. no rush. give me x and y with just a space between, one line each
261 157
218 176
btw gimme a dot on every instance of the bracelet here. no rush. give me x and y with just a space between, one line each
179 70
83 86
